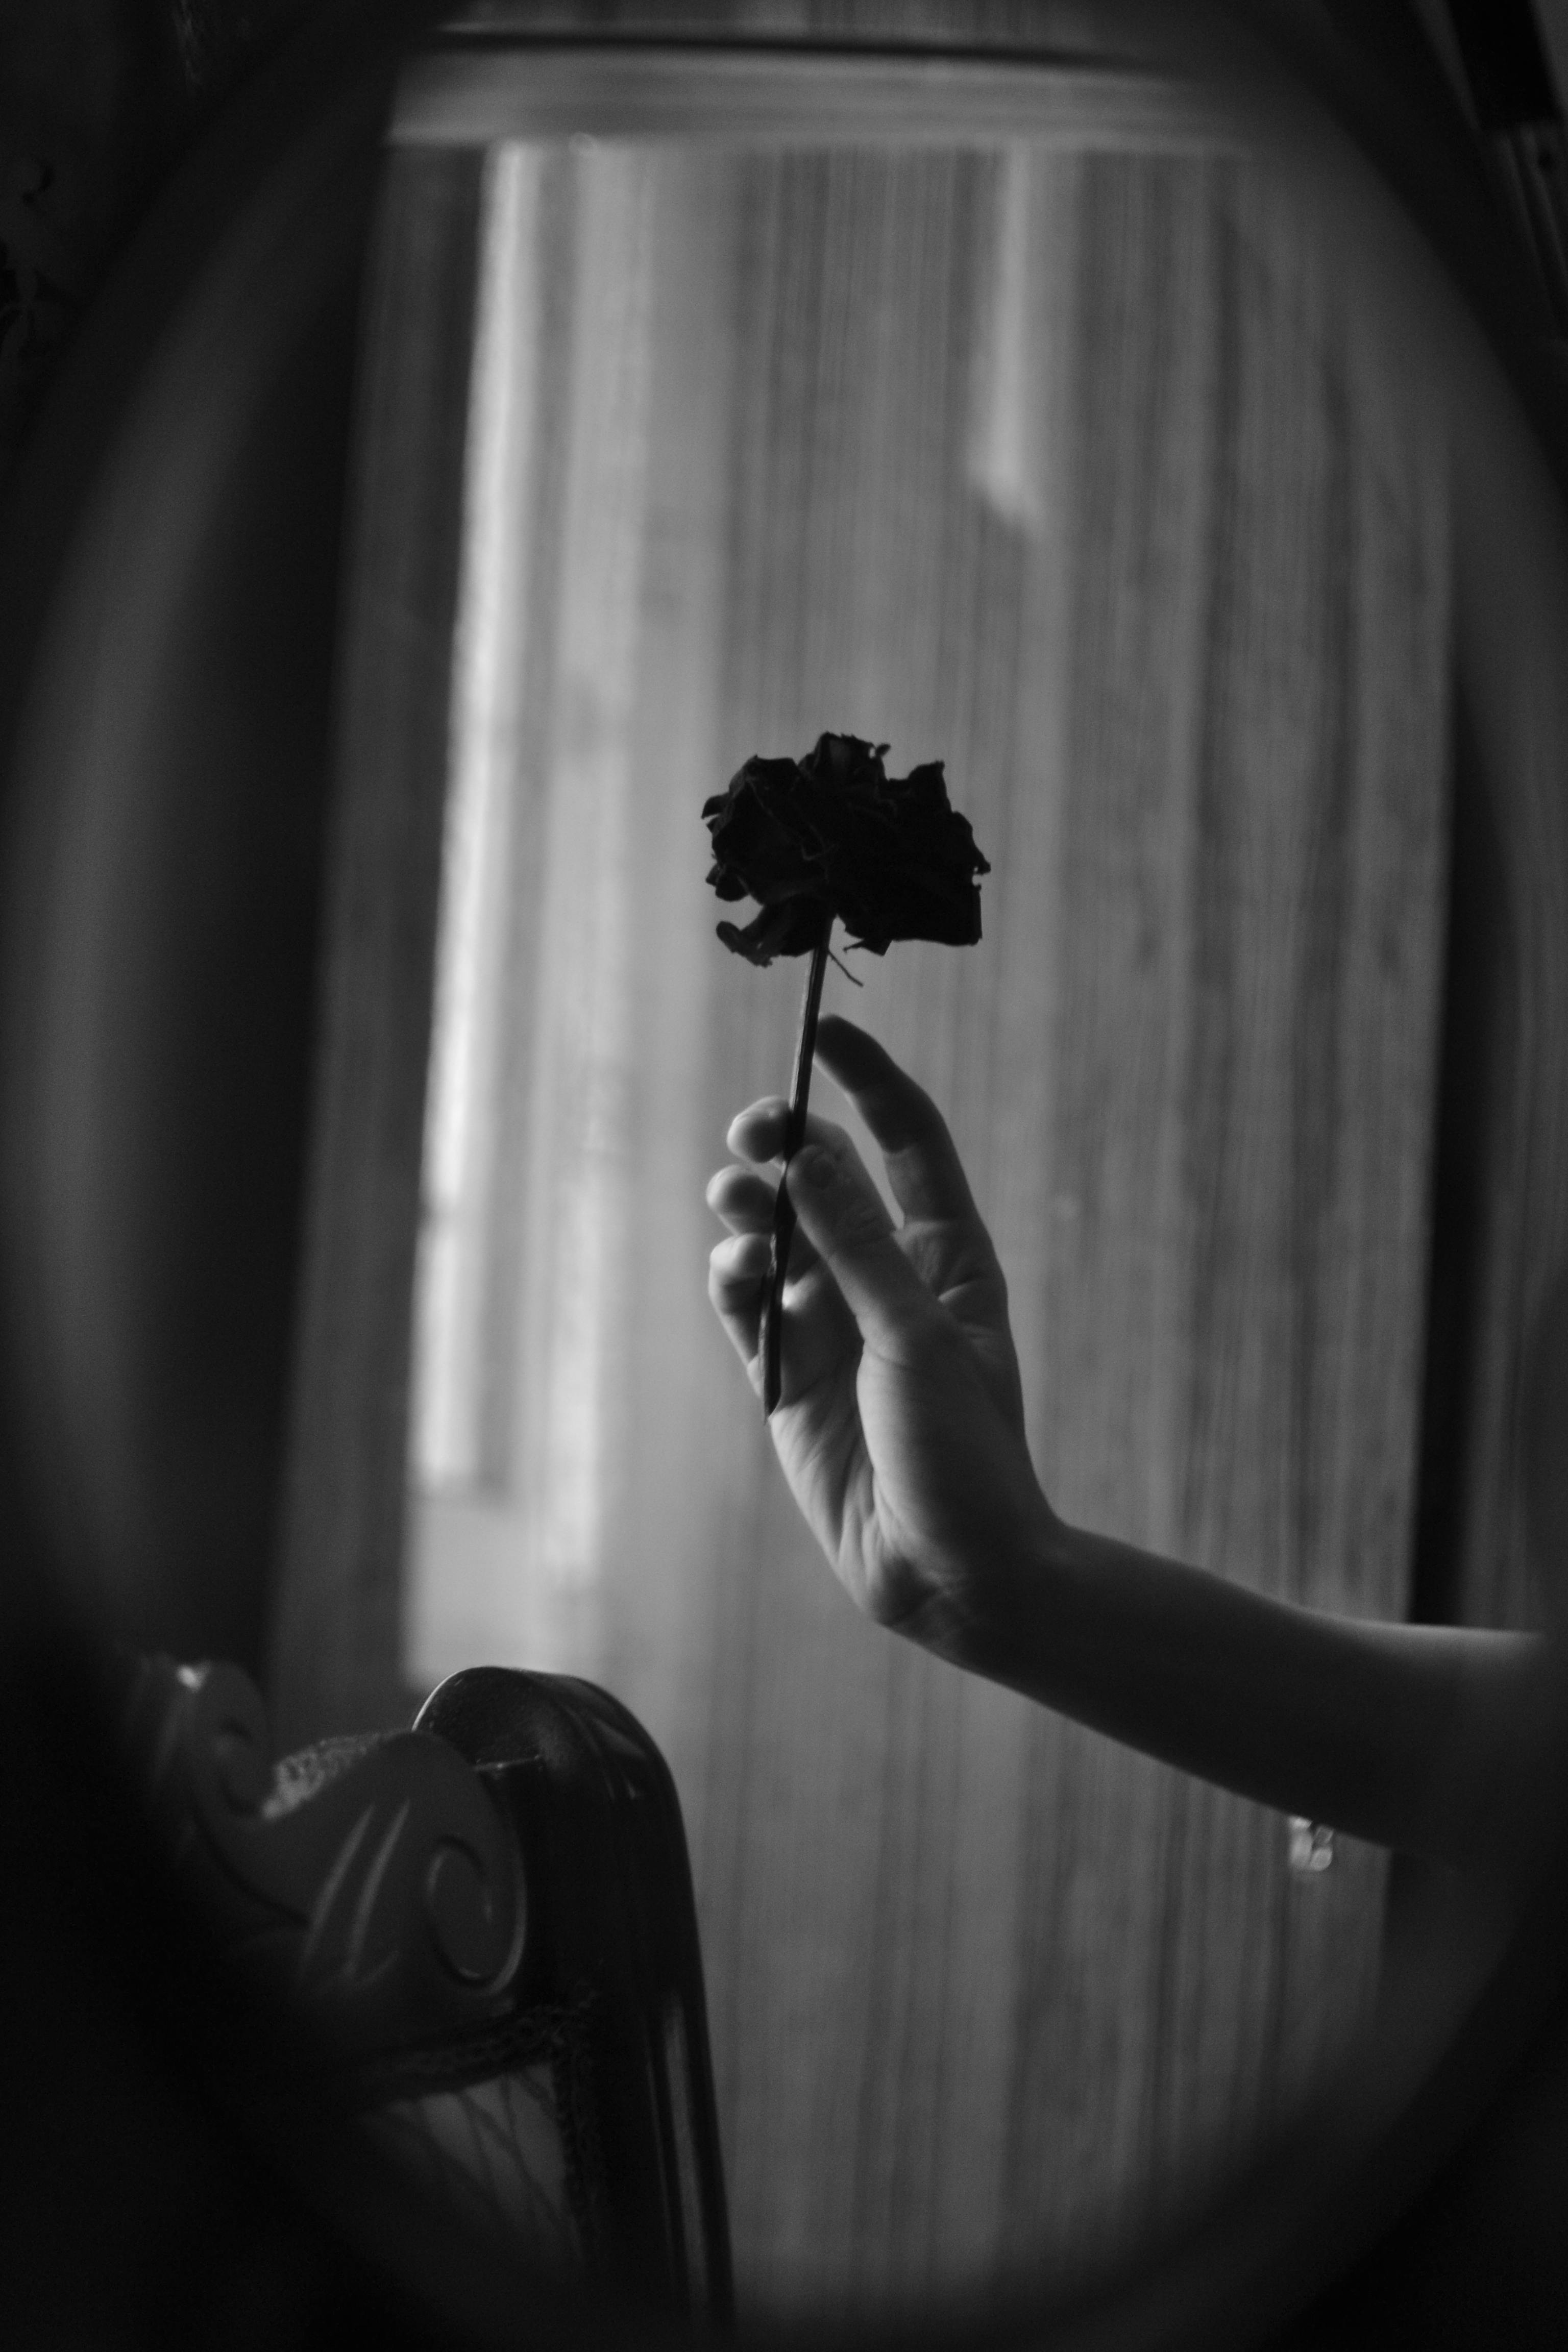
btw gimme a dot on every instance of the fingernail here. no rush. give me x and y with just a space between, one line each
814 1167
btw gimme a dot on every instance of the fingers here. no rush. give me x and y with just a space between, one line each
757 1132
819 1330
889 1288
894 1311
745 1202
924 1166
743 1198
737 1268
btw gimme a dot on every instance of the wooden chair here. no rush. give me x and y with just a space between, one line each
488 1920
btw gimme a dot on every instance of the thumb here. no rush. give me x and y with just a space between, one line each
851 1233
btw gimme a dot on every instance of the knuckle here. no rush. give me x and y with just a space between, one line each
860 1225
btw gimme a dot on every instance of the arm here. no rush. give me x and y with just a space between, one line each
1425 1737
901 1434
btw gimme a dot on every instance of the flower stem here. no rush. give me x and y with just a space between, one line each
770 1337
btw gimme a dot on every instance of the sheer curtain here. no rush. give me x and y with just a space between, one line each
1082 473
1091 474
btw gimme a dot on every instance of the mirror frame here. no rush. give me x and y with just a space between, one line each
1309 2231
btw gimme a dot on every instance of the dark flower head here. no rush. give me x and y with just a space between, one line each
835 835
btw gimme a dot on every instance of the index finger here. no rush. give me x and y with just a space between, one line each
924 1166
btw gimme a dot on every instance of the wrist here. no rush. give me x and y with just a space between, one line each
1014 1598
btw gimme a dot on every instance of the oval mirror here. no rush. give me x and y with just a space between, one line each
1089 409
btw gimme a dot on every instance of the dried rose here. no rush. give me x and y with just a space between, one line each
835 835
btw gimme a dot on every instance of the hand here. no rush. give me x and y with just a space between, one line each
900 1431
900 1423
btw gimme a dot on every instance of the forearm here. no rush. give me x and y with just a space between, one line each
1422 1737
